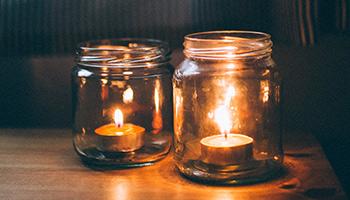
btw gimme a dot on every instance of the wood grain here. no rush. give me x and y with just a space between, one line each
41 164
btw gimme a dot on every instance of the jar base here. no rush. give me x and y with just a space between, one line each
154 149
97 159
248 173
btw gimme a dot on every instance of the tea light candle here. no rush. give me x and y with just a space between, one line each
226 150
119 137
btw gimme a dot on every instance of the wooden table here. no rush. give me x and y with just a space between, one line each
41 164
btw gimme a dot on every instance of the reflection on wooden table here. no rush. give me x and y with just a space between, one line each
41 164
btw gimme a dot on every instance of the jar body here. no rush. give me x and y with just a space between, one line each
140 94
221 98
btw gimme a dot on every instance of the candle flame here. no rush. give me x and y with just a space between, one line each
231 92
118 118
222 115
222 118
128 95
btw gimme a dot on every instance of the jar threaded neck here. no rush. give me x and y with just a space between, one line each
117 53
227 45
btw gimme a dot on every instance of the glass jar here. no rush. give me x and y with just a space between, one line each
122 102
227 108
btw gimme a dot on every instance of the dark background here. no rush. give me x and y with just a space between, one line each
311 47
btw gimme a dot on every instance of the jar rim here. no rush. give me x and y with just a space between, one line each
199 36
123 52
227 45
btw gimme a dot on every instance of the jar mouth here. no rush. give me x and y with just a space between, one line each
227 45
123 52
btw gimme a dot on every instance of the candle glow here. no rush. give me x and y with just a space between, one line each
128 95
157 122
156 96
222 118
118 118
119 137
265 90
226 148
222 112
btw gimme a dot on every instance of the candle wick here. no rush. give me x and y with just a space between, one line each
225 136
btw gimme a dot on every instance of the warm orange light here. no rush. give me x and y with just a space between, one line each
157 122
127 56
156 96
118 118
222 118
222 114
82 82
128 95
266 94
265 90
111 47
104 89
231 92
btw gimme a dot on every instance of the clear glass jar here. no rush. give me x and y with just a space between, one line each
227 108
122 102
